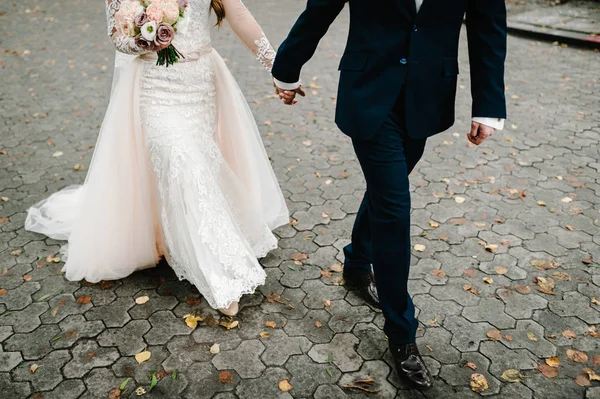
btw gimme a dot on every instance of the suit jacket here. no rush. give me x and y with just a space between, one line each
391 46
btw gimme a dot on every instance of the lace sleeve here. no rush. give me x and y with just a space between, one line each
124 44
249 31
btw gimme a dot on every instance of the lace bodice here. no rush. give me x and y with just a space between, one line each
196 35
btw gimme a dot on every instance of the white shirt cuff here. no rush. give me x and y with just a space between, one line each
286 86
496 123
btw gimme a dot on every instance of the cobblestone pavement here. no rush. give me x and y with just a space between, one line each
496 226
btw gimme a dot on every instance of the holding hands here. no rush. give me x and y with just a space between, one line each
288 97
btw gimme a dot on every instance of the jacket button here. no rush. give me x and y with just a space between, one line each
403 61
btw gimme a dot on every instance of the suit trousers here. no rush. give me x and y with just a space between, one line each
381 233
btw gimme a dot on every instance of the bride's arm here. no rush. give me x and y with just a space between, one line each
123 43
249 31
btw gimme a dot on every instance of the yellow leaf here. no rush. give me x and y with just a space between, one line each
57 154
327 303
284 386
337 268
553 361
143 356
459 200
434 224
591 374
479 383
500 270
216 348
264 335
541 203
488 280
270 324
567 199
229 324
494 335
595 301
78 167
318 324
419 247
142 299
532 337
491 247
192 320
33 368
512 375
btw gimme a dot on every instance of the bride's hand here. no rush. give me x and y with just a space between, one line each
288 97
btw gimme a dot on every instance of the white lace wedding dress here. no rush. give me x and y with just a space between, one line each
179 170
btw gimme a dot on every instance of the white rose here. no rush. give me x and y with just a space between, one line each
149 31
140 10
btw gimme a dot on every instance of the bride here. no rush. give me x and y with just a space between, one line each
179 169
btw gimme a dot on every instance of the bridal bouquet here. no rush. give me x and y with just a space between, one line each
153 24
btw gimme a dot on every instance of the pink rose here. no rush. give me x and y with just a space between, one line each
128 9
171 12
143 43
155 11
182 4
164 36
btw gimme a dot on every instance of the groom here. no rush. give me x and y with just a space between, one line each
397 87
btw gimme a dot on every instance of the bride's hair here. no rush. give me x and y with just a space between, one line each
217 6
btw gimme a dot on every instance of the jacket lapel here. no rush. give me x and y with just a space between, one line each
407 8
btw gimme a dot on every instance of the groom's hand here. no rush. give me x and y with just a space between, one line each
288 97
479 133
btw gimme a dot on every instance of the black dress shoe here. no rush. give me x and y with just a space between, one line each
366 286
410 366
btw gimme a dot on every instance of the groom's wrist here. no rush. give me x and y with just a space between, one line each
495 123
286 86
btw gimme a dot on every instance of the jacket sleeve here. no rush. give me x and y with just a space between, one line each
304 37
486 33
124 44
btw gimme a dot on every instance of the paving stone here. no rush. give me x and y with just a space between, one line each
141 373
575 304
75 327
164 327
376 370
530 335
555 325
564 388
9 360
373 342
490 310
504 358
266 386
48 375
308 375
128 339
592 393
20 297
88 355
68 389
344 316
100 382
341 351
62 306
245 360
459 374
317 293
292 307
454 290
516 390
156 303
432 309
185 351
437 342
24 321
206 382
329 392
307 327
5 332
521 306
33 345
114 314
10 389
466 336
279 347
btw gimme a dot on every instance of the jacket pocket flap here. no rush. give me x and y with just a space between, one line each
450 66
353 62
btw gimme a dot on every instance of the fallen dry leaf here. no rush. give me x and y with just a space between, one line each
479 383
419 247
544 264
284 386
494 335
595 301
327 304
488 280
567 200
193 301
596 360
216 348
577 356
143 356
438 273
471 365
140 391
548 371
459 200
582 381
553 361
532 337
471 289
591 374
16 252
569 334
84 299
299 257
27 277
225 377
228 324
318 324
512 375
588 260
3 291
142 299
270 324
191 320
491 248
264 335
33 368
501 270
561 276
326 273
541 203
114 393
545 285
523 289
433 224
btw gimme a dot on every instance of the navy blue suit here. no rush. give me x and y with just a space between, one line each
398 87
